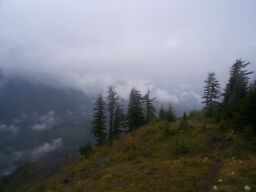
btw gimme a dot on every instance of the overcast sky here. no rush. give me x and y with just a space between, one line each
171 44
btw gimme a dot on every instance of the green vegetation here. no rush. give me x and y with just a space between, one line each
211 150
167 115
184 123
211 94
86 150
237 87
99 121
114 110
158 157
150 111
135 113
141 111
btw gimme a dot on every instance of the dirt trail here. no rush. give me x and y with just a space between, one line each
206 182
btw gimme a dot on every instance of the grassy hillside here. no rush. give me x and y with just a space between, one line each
156 157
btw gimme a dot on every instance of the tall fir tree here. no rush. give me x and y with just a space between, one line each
171 117
112 100
237 87
150 111
245 118
119 122
167 115
211 93
162 113
184 122
252 86
99 120
135 114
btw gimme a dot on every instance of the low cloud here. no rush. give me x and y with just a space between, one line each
46 121
165 96
184 95
11 128
164 41
123 88
188 95
39 151
69 113
46 148
27 155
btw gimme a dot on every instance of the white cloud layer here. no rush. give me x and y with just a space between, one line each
46 121
38 152
11 128
46 148
92 44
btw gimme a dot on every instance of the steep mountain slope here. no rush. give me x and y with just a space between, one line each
156 157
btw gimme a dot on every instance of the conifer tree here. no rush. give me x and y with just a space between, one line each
167 115
184 123
252 86
162 113
135 114
99 120
149 108
119 122
237 87
111 105
171 117
211 93
246 117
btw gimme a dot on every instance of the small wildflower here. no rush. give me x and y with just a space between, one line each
215 188
232 173
247 188
220 180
